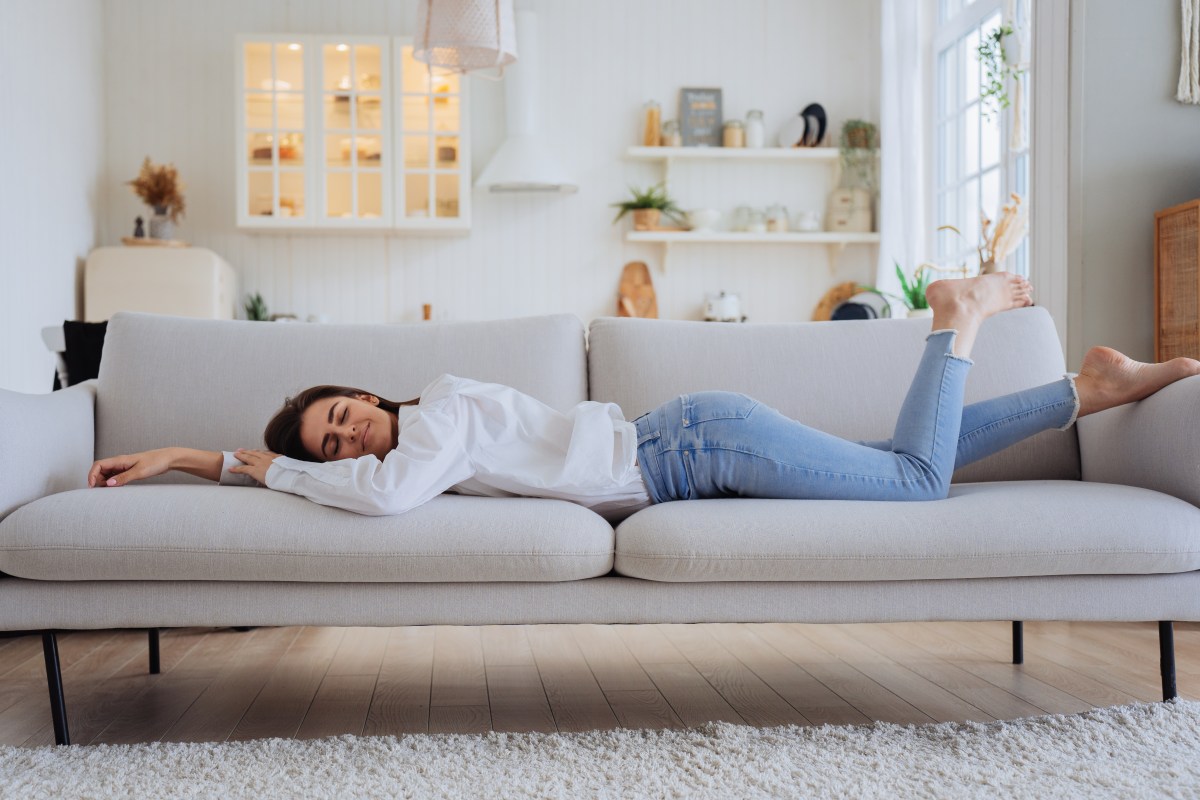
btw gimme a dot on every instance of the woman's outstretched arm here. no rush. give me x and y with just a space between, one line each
120 470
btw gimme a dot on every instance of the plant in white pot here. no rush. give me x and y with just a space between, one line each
648 207
913 293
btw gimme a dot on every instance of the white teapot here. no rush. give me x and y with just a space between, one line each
723 307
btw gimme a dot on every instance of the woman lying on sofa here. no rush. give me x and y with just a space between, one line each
352 449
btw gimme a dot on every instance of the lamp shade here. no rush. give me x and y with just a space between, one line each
465 35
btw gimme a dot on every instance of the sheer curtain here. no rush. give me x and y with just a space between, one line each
903 192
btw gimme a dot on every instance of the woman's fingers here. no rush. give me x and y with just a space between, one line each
105 468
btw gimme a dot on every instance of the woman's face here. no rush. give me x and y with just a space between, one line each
334 428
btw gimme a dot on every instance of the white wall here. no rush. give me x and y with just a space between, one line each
169 84
51 149
1134 150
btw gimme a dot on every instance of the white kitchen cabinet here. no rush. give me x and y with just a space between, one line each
346 133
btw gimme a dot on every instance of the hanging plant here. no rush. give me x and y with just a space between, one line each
997 71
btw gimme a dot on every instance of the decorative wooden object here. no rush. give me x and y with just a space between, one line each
130 241
636 296
834 298
1177 281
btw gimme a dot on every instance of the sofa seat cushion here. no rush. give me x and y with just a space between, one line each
228 533
982 530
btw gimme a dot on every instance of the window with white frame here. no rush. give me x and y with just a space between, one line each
978 160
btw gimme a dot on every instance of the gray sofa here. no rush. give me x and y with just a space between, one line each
1099 522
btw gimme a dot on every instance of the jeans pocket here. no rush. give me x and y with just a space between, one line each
708 406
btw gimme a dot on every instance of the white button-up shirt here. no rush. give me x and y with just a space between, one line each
482 439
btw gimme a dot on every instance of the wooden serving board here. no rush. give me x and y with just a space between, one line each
636 296
134 242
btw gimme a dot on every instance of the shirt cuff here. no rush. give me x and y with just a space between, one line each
233 478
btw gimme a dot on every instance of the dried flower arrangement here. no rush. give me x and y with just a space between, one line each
160 188
1005 237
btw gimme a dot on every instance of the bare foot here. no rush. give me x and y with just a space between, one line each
1109 378
964 303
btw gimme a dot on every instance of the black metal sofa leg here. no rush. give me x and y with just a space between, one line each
154 663
1166 659
1018 642
58 705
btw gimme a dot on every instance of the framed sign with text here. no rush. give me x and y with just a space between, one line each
700 117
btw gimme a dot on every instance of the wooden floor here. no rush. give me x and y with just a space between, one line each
310 682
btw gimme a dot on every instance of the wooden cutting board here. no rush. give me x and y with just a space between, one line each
636 296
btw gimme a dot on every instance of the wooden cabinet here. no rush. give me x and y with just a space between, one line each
1177 282
348 133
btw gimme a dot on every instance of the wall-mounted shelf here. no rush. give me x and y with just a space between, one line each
733 153
666 156
733 237
834 240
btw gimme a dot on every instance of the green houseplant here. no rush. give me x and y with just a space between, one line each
912 292
256 307
648 205
997 71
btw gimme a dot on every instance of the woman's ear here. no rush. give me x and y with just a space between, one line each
369 398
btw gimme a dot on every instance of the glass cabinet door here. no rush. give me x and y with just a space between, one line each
431 139
348 132
355 129
273 130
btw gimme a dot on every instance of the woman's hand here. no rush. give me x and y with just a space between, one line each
120 470
256 463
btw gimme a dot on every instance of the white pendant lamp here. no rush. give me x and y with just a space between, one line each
465 35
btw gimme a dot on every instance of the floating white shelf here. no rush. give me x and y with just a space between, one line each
689 237
833 240
733 153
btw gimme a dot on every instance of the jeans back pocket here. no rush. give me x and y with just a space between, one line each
708 406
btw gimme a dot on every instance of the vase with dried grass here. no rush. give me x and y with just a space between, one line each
160 188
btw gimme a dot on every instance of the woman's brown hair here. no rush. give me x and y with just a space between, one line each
282 435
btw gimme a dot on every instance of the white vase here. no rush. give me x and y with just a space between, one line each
920 312
161 226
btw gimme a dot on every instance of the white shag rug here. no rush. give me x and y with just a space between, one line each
1141 750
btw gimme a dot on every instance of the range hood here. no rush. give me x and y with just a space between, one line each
525 161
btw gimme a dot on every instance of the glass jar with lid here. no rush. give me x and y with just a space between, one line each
733 134
755 132
651 123
671 137
777 219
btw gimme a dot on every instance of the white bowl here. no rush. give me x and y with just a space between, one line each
703 219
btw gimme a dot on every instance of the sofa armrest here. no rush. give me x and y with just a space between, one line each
1153 443
48 442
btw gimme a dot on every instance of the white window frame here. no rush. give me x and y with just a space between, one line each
1014 169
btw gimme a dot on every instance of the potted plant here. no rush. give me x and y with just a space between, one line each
913 293
857 146
998 69
648 206
160 188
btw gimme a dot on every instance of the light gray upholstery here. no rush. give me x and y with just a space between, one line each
1154 443
846 378
213 384
229 533
46 443
144 604
983 530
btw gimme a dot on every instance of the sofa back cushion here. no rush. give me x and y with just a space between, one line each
846 378
214 384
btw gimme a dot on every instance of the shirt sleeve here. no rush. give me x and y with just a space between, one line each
233 478
429 459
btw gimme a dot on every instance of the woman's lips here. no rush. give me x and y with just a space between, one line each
366 433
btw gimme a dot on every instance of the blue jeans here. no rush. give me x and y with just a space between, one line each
724 444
